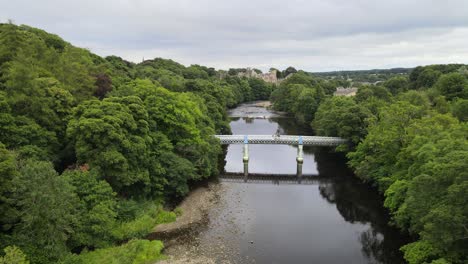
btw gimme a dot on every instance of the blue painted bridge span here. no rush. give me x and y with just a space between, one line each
281 139
300 141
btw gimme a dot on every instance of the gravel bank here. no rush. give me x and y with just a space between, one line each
194 213
180 237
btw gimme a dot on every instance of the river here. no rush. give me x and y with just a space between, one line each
334 219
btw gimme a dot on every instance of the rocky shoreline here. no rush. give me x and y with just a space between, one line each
179 236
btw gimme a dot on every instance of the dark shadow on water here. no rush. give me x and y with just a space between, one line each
358 202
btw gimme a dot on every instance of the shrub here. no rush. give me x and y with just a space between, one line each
134 252
13 255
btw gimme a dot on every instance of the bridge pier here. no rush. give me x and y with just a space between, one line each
299 159
245 158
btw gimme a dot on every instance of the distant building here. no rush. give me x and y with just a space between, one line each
341 91
269 77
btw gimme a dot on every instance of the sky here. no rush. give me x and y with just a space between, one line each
313 35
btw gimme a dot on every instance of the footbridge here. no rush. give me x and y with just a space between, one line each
300 141
281 139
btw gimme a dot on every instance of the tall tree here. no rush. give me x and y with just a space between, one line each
48 215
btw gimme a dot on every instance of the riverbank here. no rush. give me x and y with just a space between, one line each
215 238
194 209
178 235
265 104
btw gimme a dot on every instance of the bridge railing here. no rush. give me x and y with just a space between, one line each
281 139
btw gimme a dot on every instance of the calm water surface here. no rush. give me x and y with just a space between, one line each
336 219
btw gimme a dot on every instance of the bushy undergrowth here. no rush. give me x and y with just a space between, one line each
145 218
134 252
13 255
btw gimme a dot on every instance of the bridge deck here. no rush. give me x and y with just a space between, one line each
282 139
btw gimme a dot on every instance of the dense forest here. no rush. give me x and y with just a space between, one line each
363 76
91 148
408 138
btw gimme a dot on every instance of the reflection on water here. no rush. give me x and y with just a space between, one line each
336 219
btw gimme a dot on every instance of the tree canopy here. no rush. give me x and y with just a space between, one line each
91 147
409 139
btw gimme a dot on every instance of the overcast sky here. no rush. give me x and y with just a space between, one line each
314 35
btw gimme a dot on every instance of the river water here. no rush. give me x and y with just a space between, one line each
334 219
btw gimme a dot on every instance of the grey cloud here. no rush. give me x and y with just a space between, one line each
313 35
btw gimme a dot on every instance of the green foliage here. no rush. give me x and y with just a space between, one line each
307 103
453 85
342 78
159 63
21 131
178 173
410 147
47 208
134 252
150 135
112 136
440 261
178 211
128 139
50 40
406 142
365 92
419 252
121 71
195 72
341 117
397 84
260 89
11 40
166 217
140 222
417 98
375 157
41 78
13 255
423 77
7 173
186 125
213 98
300 95
419 161
427 78
288 71
96 207
460 109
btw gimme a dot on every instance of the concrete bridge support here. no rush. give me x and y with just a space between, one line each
245 158
299 159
